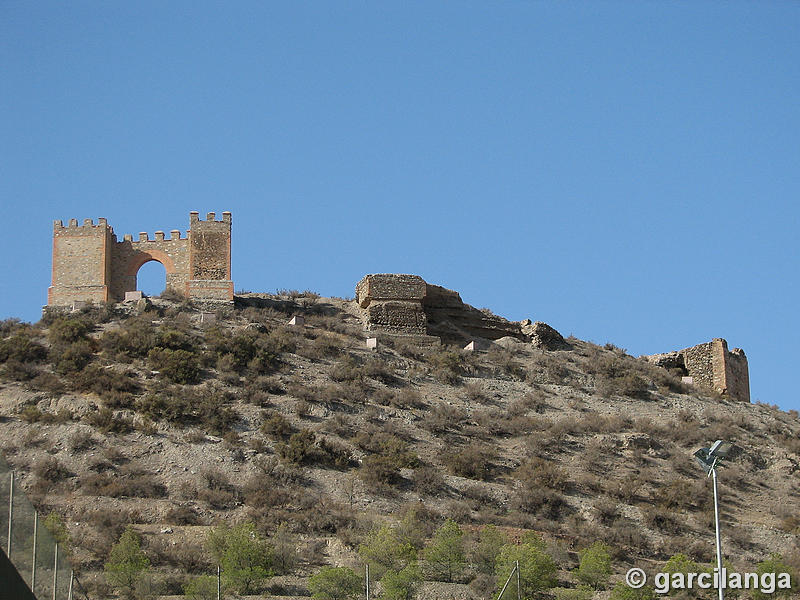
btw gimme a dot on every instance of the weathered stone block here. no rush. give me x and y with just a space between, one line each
396 316
387 286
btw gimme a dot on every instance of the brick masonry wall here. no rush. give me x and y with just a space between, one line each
81 262
90 264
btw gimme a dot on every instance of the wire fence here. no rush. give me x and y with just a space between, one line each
30 546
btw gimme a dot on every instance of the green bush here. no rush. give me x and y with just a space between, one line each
206 405
71 358
537 568
113 386
23 348
444 556
335 583
15 370
595 566
127 563
245 557
66 330
178 366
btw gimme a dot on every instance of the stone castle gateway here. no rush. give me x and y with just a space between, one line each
90 264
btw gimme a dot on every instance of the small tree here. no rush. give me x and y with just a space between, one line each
595 566
400 585
536 567
775 564
201 588
284 549
384 551
484 553
335 583
245 557
55 525
127 563
623 591
444 556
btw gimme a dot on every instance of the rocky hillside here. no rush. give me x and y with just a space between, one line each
159 416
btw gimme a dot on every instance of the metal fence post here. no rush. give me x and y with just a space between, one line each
71 578
55 571
33 563
10 513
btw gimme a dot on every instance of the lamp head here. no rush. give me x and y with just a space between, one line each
709 458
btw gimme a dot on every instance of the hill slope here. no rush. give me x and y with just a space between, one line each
147 416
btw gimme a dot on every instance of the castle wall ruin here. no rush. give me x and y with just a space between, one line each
400 304
712 366
90 264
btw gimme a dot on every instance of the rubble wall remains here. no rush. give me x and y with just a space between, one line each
403 304
712 366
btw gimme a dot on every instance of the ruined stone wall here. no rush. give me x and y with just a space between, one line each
699 364
711 366
737 376
407 305
393 303
89 264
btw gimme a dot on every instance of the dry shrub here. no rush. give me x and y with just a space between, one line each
473 461
443 418
428 481
606 510
407 398
183 515
662 519
546 503
50 469
539 473
475 392
535 400
106 421
82 440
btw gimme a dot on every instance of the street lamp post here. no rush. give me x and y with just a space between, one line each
709 459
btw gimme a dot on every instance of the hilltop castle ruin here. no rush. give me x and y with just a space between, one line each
90 264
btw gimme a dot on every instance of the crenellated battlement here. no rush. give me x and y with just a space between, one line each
158 236
88 224
194 217
89 263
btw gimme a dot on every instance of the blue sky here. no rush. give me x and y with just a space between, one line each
625 171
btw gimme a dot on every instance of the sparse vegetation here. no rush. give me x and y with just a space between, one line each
429 463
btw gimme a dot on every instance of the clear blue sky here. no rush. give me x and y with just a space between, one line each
625 171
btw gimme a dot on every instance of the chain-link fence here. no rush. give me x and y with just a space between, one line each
31 547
